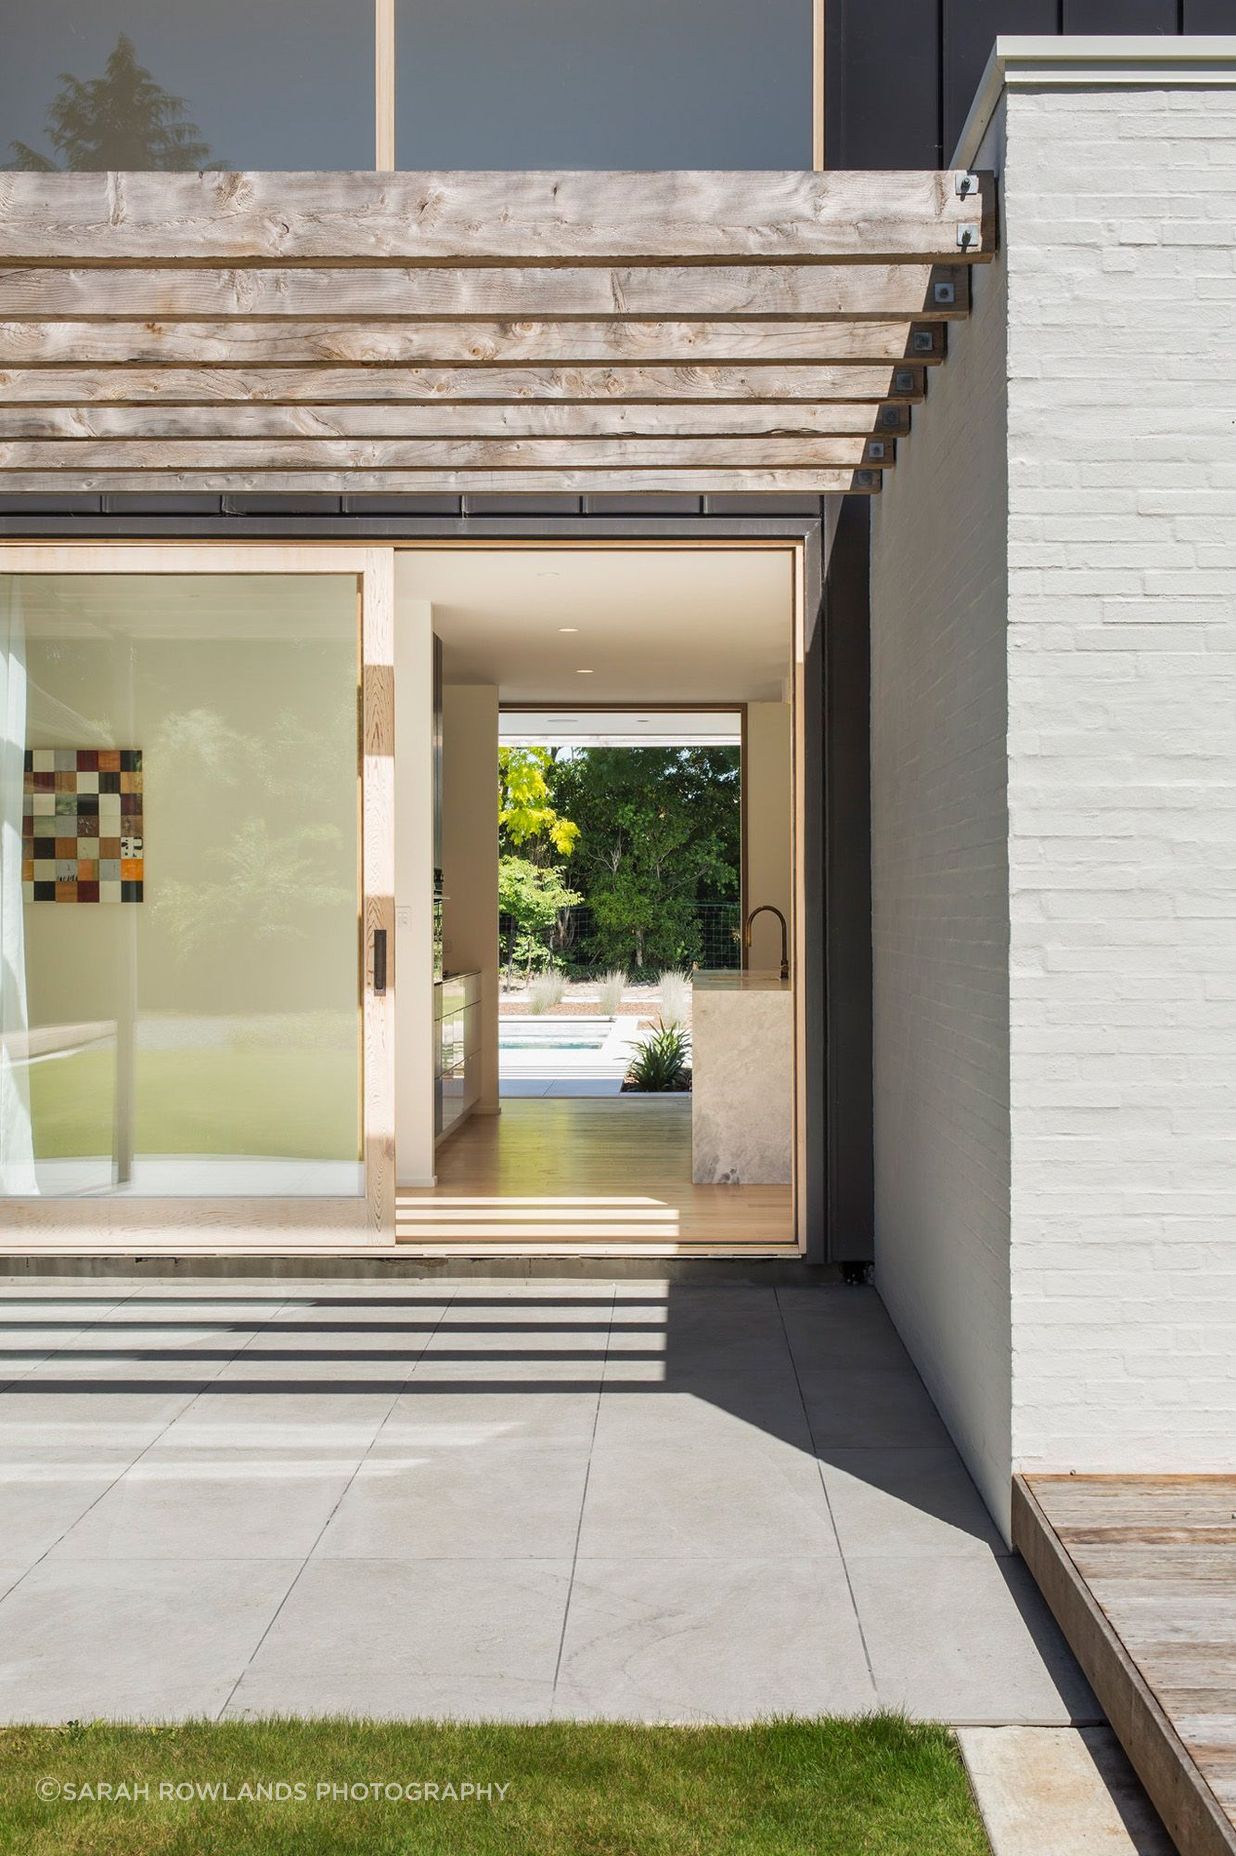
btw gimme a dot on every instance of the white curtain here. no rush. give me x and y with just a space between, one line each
17 1174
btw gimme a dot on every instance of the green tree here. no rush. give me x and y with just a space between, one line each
659 833
531 896
526 812
122 120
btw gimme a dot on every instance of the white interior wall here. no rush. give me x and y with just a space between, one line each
768 803
470 857
940 890
414 789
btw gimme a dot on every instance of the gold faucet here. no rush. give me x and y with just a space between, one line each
766 908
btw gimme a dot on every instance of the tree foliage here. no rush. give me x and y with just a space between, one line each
531 897
122 120
658 833
526 812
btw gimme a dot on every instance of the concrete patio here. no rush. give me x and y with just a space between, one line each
475 1498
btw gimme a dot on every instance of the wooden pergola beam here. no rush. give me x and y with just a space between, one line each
701 480
473 344
371 332
385 455
256 219
823 292
544 419
651 385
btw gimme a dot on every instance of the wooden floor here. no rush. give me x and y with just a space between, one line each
585 1173
1141 1574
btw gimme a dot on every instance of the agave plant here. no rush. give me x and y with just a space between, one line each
662 1060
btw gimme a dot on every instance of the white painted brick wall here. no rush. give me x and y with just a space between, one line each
940 891
1120 225
1062 1262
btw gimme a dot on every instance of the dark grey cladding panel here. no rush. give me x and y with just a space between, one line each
286 505
755 504
1210 15
901 75
162 503
415 505
882 71
970 29
649 503
1120 16
529 504
52 505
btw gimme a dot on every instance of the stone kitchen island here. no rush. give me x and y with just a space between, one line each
742 1079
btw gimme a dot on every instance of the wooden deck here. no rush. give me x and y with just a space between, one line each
1141 1574
586 1174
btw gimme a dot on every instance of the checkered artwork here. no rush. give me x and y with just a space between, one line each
81 828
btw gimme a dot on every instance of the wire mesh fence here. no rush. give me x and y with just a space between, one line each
704 934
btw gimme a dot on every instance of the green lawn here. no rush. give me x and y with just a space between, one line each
871 1787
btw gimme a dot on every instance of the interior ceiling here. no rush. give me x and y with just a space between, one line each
620 728
651 625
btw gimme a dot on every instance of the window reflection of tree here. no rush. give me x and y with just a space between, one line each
267 878
122 120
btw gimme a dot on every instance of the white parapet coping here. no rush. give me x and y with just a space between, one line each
1090 62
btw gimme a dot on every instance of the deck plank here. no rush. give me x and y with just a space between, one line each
1141 1573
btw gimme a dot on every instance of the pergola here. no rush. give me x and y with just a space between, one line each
475 331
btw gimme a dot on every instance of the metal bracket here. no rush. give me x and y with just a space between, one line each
965 184
970 233
944 294
922 341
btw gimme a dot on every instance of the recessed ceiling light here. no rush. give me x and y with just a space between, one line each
568 628
583 673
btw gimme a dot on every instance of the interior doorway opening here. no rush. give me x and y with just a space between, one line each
623 881
613 1031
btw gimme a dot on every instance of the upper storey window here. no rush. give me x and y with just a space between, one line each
340 84
603 83
157 84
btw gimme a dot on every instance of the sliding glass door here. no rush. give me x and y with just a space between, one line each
188 1005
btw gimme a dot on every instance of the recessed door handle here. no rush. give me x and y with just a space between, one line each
379 960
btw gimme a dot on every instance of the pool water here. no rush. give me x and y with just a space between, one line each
525 1043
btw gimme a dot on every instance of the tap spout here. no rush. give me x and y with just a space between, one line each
767 908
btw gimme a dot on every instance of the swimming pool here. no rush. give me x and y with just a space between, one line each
553 1034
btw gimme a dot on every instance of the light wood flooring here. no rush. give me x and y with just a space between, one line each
1141 1574
586 1173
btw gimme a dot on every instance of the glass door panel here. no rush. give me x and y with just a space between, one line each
180 891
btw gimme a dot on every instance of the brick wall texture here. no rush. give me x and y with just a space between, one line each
1122 776
1058 1191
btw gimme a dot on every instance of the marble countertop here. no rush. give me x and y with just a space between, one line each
727 980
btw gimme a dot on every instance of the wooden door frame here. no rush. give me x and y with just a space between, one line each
373 568
522 518
808 1194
